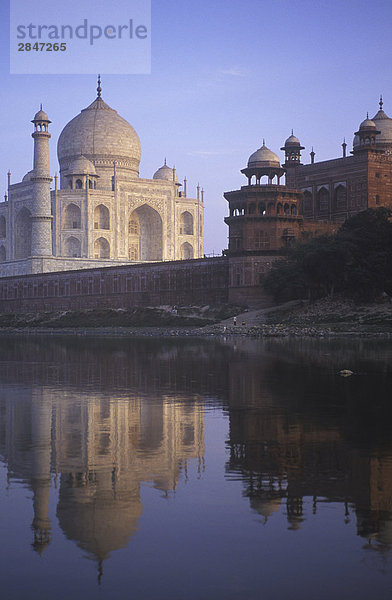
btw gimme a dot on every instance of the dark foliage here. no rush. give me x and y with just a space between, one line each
357 262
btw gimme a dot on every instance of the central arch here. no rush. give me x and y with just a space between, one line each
145 234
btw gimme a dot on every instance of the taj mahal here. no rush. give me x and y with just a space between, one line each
100 212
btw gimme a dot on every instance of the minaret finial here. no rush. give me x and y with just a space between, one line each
367 114
263 141
165 161
41 106
99 89
381 102
292 131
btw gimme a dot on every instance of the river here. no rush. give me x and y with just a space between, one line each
172 469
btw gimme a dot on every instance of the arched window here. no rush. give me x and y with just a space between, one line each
101 248
186 223
3 254
72 247
340 197
262 208
78 184
293 209
286 209
70 184
90 184
71 217
133 225
101 217
3 227
186 251
323 200
279 208
23 234
307 203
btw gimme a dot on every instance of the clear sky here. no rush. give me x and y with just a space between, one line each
225 74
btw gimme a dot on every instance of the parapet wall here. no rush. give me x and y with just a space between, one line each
185 282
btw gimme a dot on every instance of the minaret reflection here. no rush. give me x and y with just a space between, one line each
41 446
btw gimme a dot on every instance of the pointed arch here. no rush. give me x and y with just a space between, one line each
23 233
340 197
101 248
323 200
3 254
3 227
307 203
72 217
186 251
186 223
145 234
72 247
101 217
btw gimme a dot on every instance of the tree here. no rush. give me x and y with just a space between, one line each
356 261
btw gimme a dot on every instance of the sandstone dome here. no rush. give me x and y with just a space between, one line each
263 157
102 137
292 140
367 124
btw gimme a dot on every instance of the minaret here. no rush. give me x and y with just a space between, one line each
41 220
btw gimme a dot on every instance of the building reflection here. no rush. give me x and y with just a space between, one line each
98 448
291 448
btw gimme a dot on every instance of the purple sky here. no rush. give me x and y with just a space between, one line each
225 75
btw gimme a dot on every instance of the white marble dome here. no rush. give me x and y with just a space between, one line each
41 116
263 157
101 136
384 126
81 166
166 173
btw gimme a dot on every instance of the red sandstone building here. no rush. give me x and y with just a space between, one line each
266 216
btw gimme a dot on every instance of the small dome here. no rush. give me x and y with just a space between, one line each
263 157
166 173
367 124
81 166
292 141
41 116
28 175
384 125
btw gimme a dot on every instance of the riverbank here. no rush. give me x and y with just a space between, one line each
320 319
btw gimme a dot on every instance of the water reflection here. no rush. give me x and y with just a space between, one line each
100 445
85 422
299 430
